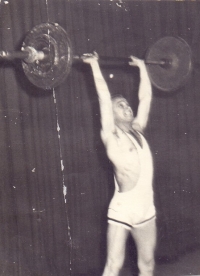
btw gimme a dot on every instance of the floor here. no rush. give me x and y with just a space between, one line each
188 264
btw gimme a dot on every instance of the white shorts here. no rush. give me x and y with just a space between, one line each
129 211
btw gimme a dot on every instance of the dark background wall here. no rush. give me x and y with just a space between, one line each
42 230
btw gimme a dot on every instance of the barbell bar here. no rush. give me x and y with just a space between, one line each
47 57
106 60
30 55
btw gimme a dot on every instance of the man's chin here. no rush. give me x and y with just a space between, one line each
128 118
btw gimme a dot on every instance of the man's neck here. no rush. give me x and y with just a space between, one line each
125 126
129 129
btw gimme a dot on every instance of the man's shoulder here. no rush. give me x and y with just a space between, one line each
137 127
106 136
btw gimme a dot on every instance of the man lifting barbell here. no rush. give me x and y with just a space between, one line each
47 58
131 210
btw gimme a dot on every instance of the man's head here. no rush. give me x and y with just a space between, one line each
122 111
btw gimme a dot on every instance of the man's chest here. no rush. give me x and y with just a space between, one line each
122 149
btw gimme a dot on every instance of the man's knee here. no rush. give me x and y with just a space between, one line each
146 266
114 265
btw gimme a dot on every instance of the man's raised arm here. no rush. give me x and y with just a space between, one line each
105 102
144 95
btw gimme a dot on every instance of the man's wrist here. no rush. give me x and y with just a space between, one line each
94 63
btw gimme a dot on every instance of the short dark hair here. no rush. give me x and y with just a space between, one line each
118 96
115 96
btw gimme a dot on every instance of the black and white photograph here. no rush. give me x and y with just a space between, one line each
99 138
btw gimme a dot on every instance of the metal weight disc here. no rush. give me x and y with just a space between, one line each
176 54
53 40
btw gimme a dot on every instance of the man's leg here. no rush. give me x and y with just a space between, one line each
145 239
116 244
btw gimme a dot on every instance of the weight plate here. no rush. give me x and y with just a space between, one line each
53 40
177 54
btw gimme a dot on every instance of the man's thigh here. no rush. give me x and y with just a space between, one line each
145 238
116 240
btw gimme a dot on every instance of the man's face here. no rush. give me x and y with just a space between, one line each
122 111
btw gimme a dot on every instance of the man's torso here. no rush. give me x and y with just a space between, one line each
128 152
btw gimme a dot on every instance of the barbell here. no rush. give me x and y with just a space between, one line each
47 57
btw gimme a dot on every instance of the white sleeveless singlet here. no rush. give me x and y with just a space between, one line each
137 205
